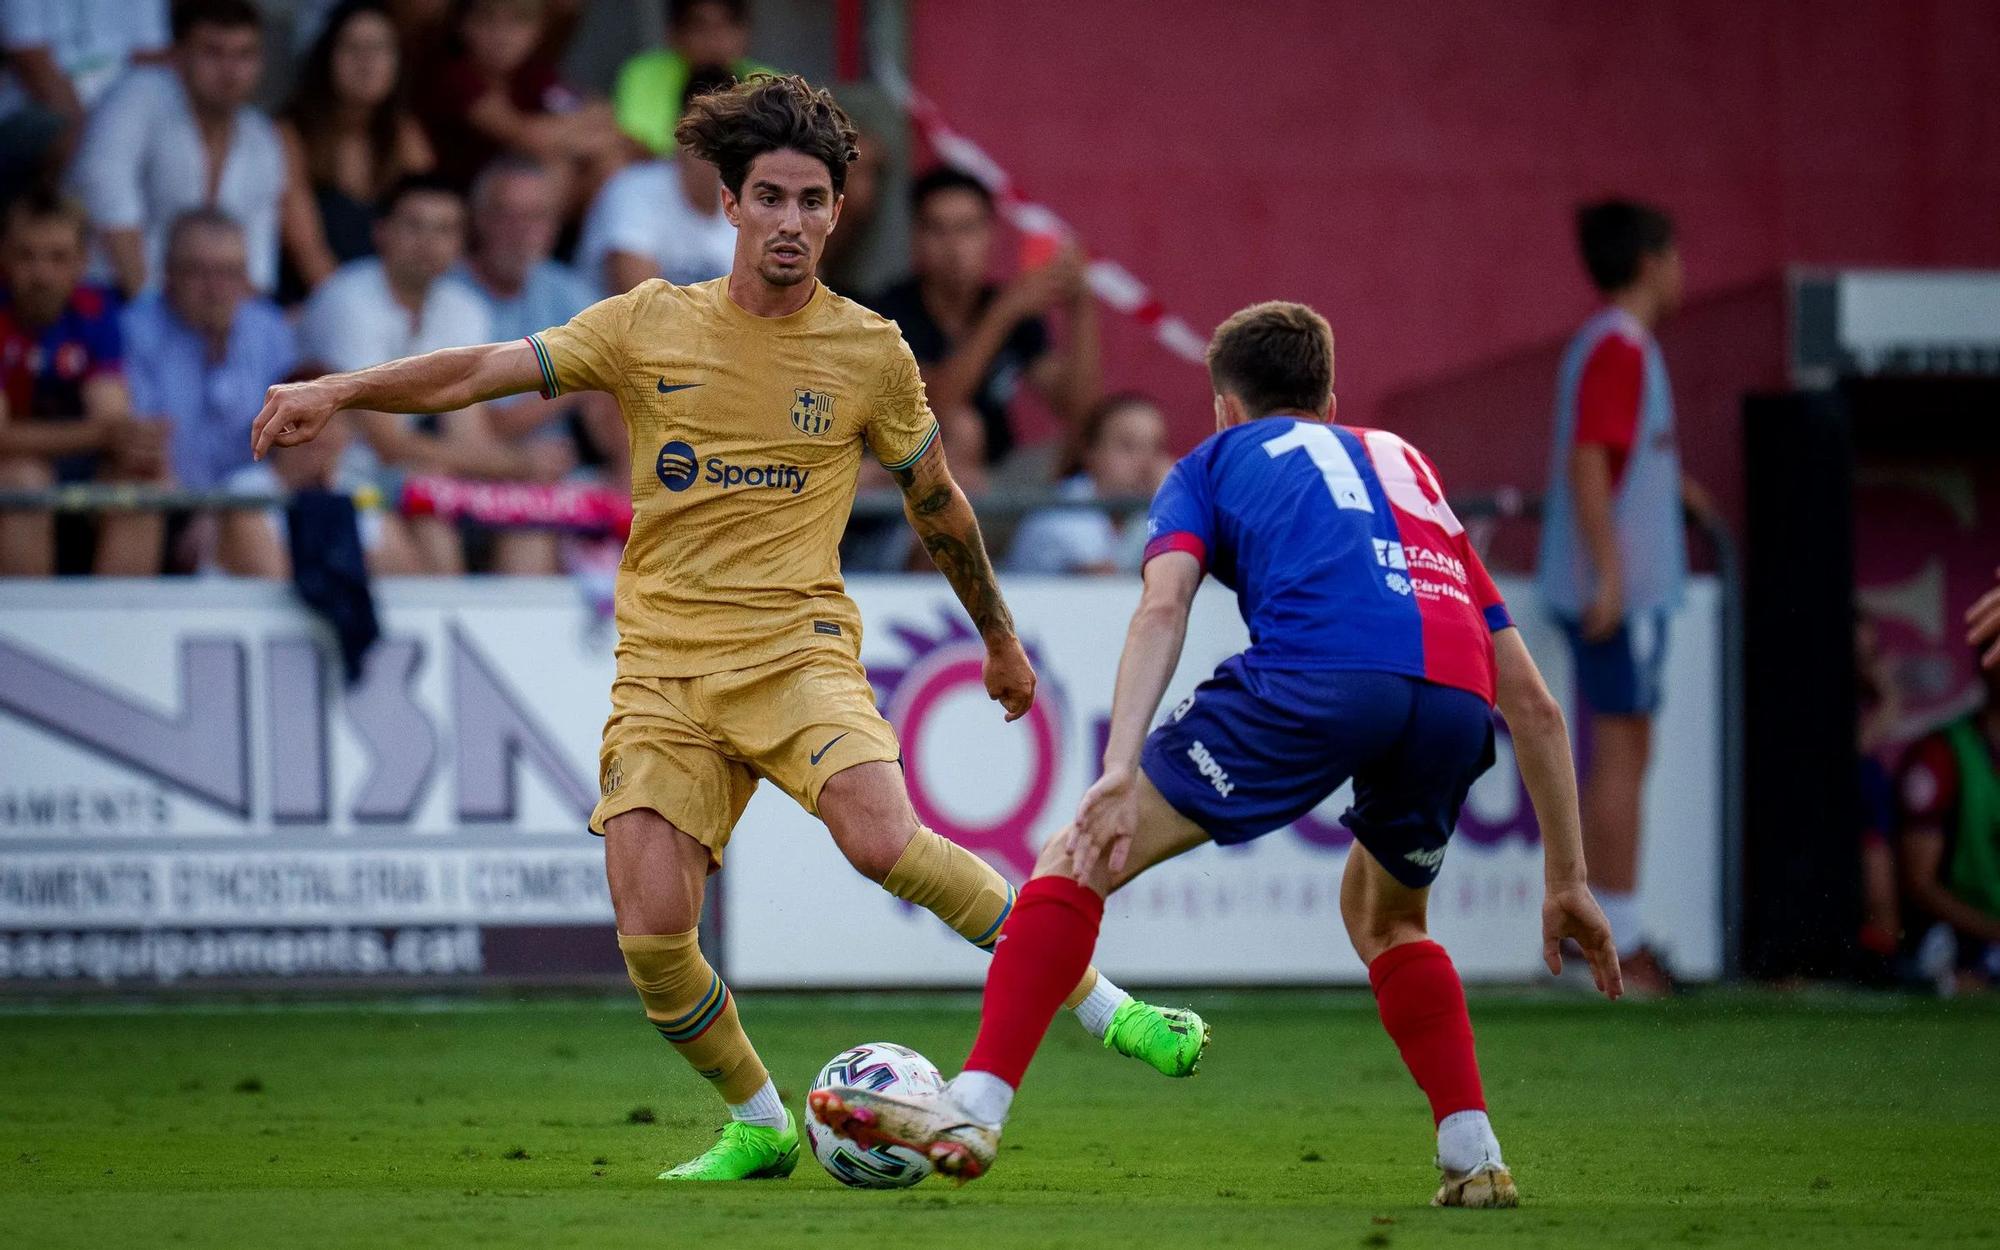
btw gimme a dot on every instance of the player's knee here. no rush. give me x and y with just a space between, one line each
655 872
1374 926
875 852
1372 940
869 815
1053 861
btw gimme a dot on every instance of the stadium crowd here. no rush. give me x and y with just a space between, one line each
170 249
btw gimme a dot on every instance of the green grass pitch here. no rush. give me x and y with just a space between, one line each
1731 1118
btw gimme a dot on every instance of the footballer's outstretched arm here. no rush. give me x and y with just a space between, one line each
943 518
440 381
1541 752
1153 641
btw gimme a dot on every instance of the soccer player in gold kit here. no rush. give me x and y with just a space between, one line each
749 401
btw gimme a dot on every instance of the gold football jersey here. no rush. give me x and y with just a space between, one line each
747 434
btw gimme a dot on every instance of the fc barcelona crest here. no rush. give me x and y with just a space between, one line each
812 412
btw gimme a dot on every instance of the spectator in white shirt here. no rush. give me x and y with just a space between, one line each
60 56
402 302
1124 456
660 219
166 140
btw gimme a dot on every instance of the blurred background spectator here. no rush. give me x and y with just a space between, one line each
61 56
167 139
401 302
67 416
660 218
843 264
199 355
1948 848
1613 561
256 543
703 36
1122 455
497 89
979 341
514 223
349 136
1878 711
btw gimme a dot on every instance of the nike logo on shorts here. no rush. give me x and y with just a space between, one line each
684 386
820 754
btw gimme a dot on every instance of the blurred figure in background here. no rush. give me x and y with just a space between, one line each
400 302
349 136
660 219
65 415
710 36
841 267
1879 708
165 140
199 355
257 543
1123 455
493 93
514 221
1948 849
1613 557
57 58
977 341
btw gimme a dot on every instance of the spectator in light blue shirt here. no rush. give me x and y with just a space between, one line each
516 211
200 352
515 215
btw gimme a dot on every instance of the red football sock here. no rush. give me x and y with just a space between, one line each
1041 955
1423 1008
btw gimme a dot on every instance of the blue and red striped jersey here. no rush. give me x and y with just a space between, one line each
1340 547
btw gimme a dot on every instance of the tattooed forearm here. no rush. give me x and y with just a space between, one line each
965 566
944 520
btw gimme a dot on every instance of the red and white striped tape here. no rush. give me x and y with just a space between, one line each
1112 283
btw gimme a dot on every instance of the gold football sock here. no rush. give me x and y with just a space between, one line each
691 1007
962 890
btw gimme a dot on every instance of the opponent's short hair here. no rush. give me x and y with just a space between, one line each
1273 356
1615 235
227 14
768 113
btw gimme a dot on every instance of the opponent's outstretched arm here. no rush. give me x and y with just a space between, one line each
440 381
1109 813
1541 752
943 518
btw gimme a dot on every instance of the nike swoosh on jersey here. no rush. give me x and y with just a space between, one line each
683 386
817 755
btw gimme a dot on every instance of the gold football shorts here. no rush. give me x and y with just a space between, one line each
692 748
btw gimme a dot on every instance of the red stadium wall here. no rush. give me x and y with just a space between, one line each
1410 169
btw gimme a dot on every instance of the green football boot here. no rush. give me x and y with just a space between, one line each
747 1152
1171 1039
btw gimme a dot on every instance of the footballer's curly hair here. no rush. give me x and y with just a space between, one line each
734 126
1275 357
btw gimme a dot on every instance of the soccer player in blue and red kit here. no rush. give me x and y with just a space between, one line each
1378 648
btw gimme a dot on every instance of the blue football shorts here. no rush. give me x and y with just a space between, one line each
1252 750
